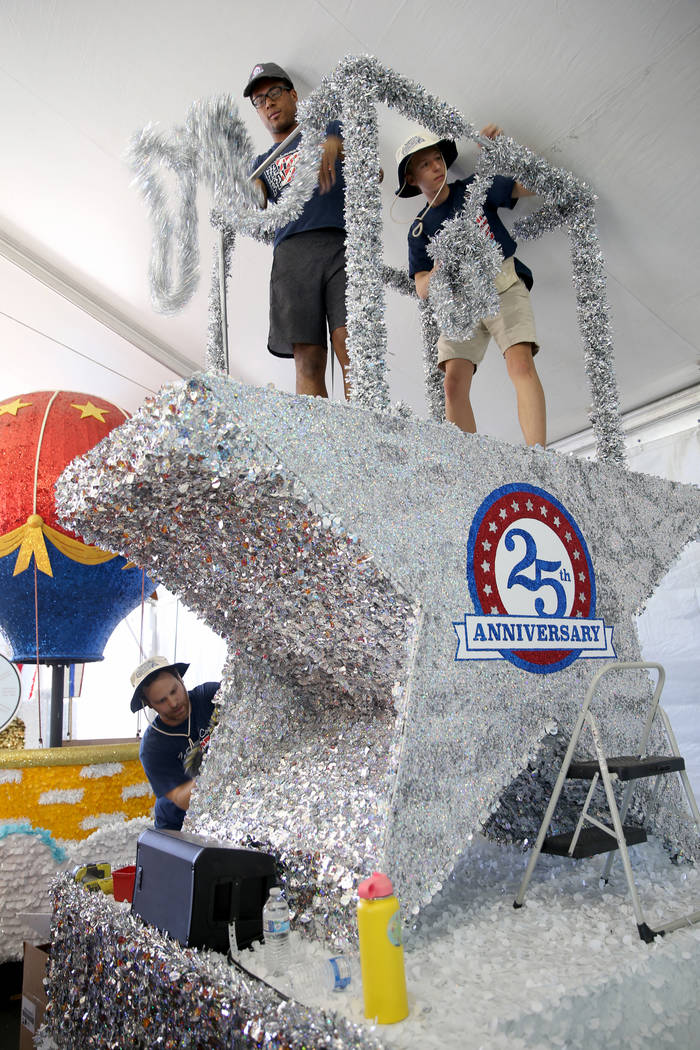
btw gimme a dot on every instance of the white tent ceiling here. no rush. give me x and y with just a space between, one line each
608 89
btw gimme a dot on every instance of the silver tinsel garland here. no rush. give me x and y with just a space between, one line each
570 203
215 358
434 386
400 282
175 237
213 148
462 292
367 340
114 983
594 323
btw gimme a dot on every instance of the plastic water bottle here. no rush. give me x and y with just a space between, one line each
333 974
323 975
276 932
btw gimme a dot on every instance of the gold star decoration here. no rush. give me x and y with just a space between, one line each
90 411
13 407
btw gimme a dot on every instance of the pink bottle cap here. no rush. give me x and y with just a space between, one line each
377 885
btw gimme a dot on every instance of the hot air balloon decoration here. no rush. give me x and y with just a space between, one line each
60 598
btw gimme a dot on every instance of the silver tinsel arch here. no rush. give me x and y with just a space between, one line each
213 148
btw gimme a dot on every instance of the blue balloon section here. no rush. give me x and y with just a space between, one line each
79 606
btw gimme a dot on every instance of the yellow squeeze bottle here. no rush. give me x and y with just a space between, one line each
381 951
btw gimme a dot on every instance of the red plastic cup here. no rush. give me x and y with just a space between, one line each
123 881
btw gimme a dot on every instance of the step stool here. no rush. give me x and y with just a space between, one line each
599 837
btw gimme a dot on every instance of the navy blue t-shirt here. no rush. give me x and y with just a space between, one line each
321 210
162 753
500 195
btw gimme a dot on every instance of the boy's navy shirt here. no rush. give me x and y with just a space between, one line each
322 210
162 753
500 195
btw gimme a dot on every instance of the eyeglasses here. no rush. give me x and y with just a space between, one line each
273 94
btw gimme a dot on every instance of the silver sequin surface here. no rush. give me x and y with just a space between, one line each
327 543
116 983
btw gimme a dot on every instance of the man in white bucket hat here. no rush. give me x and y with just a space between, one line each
173 743
422 162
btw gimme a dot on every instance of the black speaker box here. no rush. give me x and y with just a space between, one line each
192 888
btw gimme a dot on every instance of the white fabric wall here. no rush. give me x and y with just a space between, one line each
669 626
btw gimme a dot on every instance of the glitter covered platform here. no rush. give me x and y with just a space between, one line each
328 544
567 970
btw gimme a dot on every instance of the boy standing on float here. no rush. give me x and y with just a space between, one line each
422 168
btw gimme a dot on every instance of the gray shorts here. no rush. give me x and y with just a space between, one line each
514 323
307 290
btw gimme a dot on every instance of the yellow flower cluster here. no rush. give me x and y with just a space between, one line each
12 736
96 799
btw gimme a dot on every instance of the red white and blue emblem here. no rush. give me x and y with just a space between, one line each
531 580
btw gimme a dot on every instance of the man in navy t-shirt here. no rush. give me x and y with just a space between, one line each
173 742
307 283
422 167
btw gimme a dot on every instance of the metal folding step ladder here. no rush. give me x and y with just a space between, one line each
591 835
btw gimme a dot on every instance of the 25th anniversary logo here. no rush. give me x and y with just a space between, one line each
531 579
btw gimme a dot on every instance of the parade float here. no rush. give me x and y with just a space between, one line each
413 617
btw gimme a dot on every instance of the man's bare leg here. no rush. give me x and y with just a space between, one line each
310 365
339 339
532 411
458 381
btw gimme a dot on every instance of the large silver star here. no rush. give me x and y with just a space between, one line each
328 544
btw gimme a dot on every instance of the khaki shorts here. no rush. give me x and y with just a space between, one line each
514 323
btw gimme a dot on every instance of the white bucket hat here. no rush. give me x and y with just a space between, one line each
412 145
152 666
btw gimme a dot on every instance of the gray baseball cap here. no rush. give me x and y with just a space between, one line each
265 71
151 667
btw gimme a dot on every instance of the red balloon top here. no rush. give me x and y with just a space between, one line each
40 434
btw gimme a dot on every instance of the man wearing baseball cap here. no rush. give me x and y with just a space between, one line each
422 162
173 743
307 283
